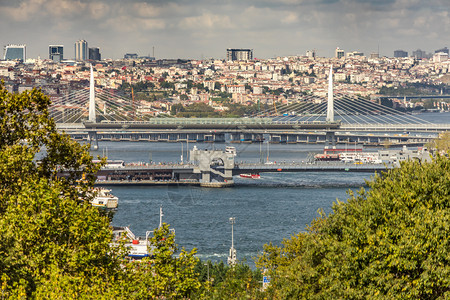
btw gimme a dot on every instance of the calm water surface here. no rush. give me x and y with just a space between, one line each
266 210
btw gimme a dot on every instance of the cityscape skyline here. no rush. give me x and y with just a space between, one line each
203 29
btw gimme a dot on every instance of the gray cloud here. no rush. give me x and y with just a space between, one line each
189 29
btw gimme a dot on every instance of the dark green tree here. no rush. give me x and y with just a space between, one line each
388 242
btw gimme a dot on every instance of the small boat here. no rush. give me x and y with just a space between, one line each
231 150
251 176
104 199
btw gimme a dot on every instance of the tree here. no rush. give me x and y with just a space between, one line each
46 222
389 242
53 243
441 143
164 275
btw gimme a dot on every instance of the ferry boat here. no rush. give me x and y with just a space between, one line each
112 164
334 154
356 156
104 199
251 176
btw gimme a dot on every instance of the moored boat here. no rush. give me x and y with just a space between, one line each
104 199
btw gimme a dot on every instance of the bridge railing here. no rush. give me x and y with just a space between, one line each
216 121
395 127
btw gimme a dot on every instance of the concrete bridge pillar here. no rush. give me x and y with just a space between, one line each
330 138
235 137
93 139
215 167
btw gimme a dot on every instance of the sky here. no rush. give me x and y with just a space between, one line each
196 29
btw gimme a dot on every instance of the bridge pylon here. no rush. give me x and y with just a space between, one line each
330 103
92 116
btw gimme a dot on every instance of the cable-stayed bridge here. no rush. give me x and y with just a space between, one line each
113 116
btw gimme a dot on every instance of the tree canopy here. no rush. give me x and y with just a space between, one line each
388 242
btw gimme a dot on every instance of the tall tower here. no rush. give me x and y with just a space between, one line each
330 104
81 50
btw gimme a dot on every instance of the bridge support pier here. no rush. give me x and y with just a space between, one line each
214 166
93 139
330 138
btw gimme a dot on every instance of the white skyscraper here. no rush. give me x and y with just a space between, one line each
81 50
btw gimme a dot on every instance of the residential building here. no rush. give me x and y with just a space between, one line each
15 52
239 54
81 50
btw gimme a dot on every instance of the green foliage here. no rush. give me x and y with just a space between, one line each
225 282
198 110
165 275
441 143
46 222
390 242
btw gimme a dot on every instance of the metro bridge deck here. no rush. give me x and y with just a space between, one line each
169 174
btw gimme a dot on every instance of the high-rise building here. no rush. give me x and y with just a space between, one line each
94 54
400 53
81 50
56 53
15 52
130 56
311 53
339 53
239 54
419 54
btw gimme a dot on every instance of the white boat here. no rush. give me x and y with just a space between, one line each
104 199
360 157
231 150
138 247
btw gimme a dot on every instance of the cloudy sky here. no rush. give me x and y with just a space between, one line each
205 28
